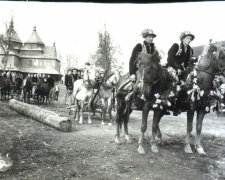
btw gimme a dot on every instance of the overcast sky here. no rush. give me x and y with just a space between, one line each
75 26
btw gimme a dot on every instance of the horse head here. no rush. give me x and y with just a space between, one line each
206 57
220 61
113 79
89 76
150 70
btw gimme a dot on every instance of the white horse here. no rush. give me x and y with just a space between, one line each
82 93
106 96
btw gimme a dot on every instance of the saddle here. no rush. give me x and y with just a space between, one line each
124 84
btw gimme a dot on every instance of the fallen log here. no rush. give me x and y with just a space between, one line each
41 115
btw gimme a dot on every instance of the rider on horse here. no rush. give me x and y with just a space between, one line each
146 47
179 58
179 55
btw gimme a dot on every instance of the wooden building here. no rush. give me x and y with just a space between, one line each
32 56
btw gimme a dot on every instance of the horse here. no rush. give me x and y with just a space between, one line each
5 86
210 64
42 90
18 87
153 79
54 93
194 98
105 95
83 91
27 89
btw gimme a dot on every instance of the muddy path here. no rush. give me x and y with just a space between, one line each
89 152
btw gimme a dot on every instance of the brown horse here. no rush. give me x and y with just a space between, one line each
210 64
153 80
5 86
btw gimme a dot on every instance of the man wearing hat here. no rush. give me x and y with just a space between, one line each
179 57
147 47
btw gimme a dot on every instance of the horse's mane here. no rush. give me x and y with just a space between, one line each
149 66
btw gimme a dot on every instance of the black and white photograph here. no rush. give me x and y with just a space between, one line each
112 90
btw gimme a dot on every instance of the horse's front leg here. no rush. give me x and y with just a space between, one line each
190 116
119 120
198 146
155 130
110 110
145 113
76 112
103 101
81 111
89 111
159 134
126 120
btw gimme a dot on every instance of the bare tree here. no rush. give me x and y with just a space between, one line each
6 44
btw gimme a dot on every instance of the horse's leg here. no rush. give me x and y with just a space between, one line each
76 111
159 134
126 120
198 146
110 110
89 111
81 111
145 113
190 116
119 120
103 116
155 129
28 96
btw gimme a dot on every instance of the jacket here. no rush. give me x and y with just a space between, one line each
178 58
150 48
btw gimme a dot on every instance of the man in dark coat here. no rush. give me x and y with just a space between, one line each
69 81
75 75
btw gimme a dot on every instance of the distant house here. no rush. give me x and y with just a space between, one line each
32 56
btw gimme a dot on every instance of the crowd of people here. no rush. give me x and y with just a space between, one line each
18 80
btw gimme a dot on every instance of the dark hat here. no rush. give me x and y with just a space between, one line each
185 34
147 32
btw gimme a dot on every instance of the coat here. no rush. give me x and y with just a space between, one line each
177 58
150 48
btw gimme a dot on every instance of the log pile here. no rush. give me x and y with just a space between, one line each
41 115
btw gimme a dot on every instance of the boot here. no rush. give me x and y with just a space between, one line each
176 111
134 104
166 112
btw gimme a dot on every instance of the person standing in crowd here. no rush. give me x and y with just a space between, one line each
179 56
75 75
69 86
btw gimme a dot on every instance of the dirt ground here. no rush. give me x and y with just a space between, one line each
41 152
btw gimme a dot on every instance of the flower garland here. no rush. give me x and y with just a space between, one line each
217 96
165 102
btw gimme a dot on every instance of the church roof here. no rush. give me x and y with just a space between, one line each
49 52
34 38
14 35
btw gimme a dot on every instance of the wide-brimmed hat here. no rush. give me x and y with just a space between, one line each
185 34
147 32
